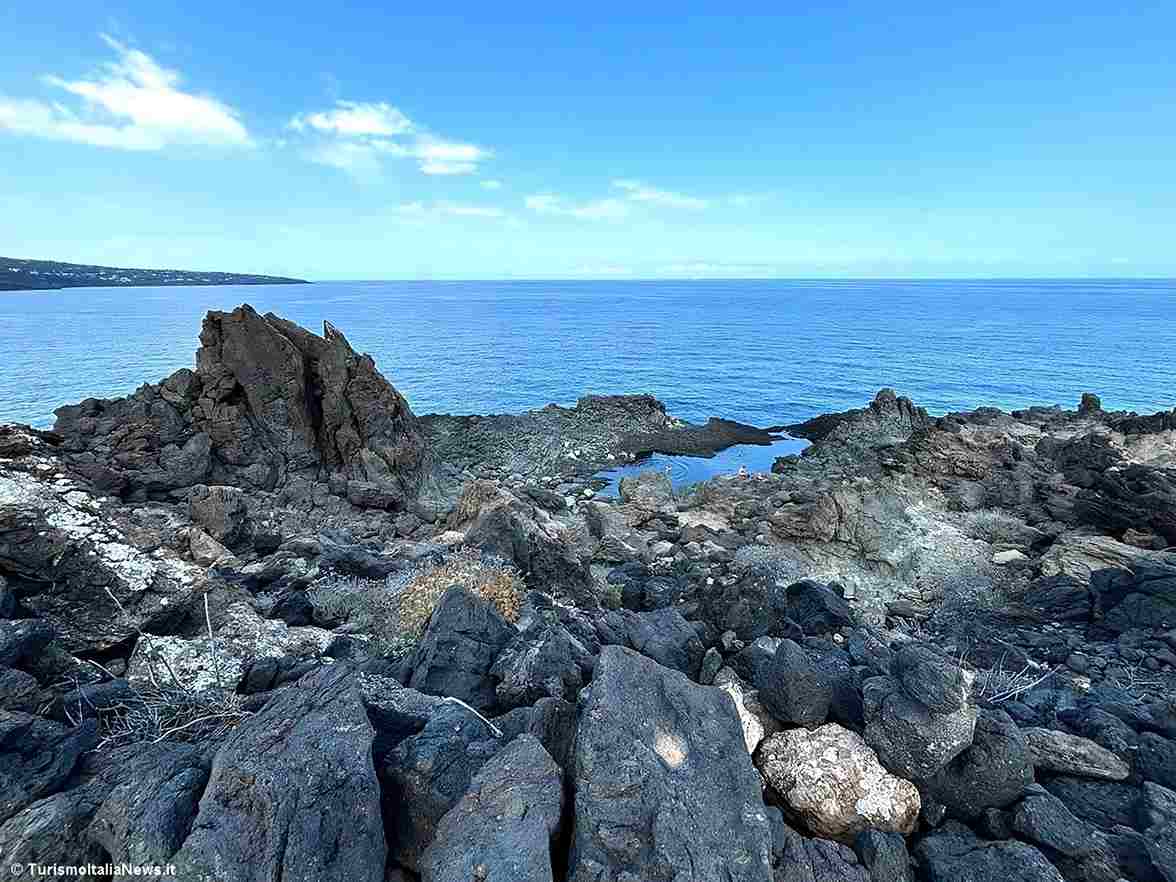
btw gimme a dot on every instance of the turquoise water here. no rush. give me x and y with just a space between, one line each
764 352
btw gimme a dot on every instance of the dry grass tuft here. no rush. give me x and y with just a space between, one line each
162 713
395 611
998 684
490 578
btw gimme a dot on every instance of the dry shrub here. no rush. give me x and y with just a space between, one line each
487 577
170 713
476 496
395 610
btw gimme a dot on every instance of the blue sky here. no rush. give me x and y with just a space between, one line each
351 140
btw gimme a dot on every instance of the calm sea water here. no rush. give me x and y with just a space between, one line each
765 352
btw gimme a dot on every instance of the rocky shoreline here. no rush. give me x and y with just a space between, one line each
261 621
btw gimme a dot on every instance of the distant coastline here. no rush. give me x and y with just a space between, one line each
47 275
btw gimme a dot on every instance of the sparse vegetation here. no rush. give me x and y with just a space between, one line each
395 610
161 712
1000 684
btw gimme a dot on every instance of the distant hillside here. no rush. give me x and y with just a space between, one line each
24 275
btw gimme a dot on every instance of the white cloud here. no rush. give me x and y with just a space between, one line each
600 209
638 191
133 103
491 185
353 119
442 209
366 133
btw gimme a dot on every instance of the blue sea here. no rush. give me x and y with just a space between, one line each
764 352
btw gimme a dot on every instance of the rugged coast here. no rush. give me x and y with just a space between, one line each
260 620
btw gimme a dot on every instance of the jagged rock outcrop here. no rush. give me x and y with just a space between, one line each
268 400
292 793
81 566
664 788
504 826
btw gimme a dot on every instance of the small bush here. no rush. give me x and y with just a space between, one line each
395 610
490 578
166 713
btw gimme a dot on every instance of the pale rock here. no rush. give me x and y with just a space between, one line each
242 638
1009 557
832 780
757 723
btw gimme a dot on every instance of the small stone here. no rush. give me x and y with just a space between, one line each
1009 557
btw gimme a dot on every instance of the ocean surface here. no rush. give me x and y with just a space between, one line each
763 352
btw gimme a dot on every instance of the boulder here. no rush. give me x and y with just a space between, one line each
663 635
755 719
817 608
817 860
499 523
242 639
551 721
954 853
1156 760
292 793
21 692
992 772
931 678
650 491
544 661
911 740
150 797
205 550
22 640
51 831
1065 754
221 512
1141 596
37 757
793 688
753 606
428 773
394 710
663 787
1104 804
884 855
1044 820
504 827
831 780
85 573
463 639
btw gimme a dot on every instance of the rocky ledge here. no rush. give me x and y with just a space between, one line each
261 621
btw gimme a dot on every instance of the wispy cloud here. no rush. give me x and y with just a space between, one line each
132 103
491 185
443 209
358 137
352 119
638 191
599 209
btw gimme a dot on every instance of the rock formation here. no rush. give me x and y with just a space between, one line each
261 622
